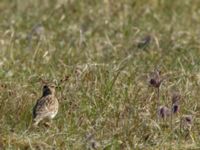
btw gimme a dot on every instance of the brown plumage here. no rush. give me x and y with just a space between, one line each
46 106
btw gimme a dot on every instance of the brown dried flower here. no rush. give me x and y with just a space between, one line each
175 102
144 42
186 121
175 108
164 112
176 96
155 79
92 144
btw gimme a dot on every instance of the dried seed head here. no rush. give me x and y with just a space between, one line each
163 112
175 108
89 136
92 144
37 30
186 121
144 42
176 96
155 79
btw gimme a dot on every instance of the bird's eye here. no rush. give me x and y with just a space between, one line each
52 86
45 87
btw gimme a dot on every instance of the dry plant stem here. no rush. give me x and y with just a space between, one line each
158 97
171 119
171 125
180 127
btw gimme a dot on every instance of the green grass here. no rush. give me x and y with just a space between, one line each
107 95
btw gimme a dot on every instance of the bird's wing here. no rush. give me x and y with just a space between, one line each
43 106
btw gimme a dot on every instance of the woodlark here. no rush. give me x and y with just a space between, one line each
46 106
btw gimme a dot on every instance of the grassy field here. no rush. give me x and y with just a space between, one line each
106 101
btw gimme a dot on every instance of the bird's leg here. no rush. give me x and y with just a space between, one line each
36 122
48 123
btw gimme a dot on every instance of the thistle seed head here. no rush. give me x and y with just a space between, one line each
144 42
176 96
186 121
175 108
163 112
155 79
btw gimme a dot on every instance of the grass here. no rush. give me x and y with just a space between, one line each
107 95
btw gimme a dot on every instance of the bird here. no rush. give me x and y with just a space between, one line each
46 106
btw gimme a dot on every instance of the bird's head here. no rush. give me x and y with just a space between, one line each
48 89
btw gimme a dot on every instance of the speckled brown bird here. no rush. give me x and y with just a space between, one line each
46 106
